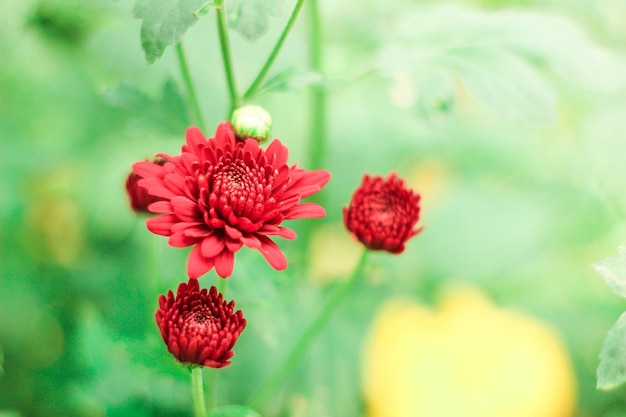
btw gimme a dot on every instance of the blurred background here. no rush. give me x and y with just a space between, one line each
508 116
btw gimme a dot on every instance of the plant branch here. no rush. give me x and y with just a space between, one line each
197 391
192 99
306 339
272 56
226 57
212 380
317 146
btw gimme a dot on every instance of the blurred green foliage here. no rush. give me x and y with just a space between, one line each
520 196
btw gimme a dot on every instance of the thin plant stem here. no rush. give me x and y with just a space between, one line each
192 98
212 380
317 108
302 345
222 30
317 146
197 390
222 285
272 56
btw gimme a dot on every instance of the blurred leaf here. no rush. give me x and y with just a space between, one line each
94 341
164 23
66 21
1 362
613 270
291 78
506 83
166 113
436 93
612 369
234 411
251 17
562 46
501 57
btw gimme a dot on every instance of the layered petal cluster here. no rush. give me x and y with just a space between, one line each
222 193
198 326
383 213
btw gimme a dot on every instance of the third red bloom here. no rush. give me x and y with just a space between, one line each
383 213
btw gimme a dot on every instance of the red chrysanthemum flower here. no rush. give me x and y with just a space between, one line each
139 197
221 194
383 213
198 326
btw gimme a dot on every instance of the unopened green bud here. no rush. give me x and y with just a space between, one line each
251 122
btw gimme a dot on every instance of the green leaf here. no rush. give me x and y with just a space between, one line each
164 23
612 368
234 411
613 270
291 78
250 18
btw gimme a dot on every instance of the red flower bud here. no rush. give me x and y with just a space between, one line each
198 326
138 196
383 213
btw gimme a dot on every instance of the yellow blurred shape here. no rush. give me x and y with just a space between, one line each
468 359
430 178
54 228
334 252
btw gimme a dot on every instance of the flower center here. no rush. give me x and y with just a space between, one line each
383 212
233 181
239 189
201 319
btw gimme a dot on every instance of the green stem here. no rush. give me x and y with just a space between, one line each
317 146
317 109
222 285
222 30
197 390
270 60
192 99
306 339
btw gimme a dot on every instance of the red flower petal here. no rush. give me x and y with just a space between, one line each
185 209
198 265
182 240
161 225
148 169
212 245
224 263
306 211
161 207
272 253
